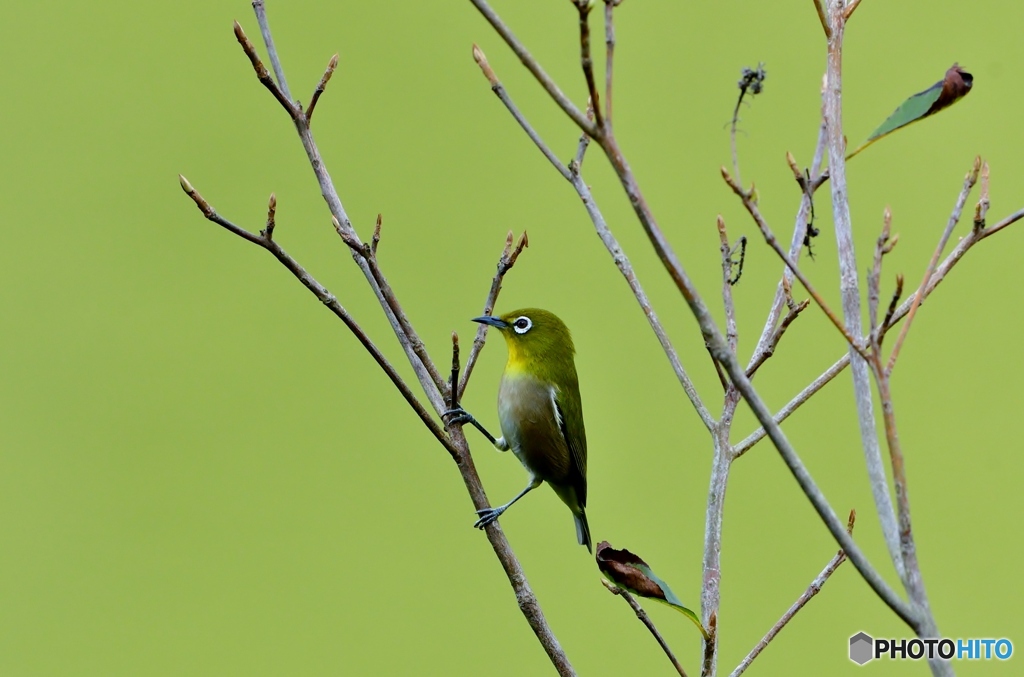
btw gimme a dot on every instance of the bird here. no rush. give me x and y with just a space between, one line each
540 412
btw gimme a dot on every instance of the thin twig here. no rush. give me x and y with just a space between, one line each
794 404
794 312
609 57
812 590
823 18
268 40
531 64
954 218
731 332
261 71
850 9
748 201
751 80
337 210
796 242
365 252
587 62
891 312
891 318
646 620
499 90
882 247
328 300
321 86
505 262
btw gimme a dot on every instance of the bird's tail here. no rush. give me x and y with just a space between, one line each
583 529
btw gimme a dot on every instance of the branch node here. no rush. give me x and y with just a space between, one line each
348 238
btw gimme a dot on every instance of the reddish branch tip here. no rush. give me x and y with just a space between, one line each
333 63
455 339
849 522
239 33
272 204
481 60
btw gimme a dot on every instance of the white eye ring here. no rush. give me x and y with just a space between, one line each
522 324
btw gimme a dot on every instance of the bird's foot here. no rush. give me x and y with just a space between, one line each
457 416
488 515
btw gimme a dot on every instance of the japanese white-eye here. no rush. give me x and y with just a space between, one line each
540 411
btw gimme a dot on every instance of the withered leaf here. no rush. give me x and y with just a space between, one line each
630 573
954 86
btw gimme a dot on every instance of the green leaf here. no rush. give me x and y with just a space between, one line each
954 86
630 573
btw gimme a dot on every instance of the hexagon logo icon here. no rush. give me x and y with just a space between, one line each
861 648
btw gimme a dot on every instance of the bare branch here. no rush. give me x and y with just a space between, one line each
954 218
823 19
332 303
408 332
750 203
261 71
609 57
583 6
505 262
499 90
849 284
794 312
882 247
812 590
731 333
331 65
803 218
891 318
794 404
531 64
850 9
646 620
268 40
211 214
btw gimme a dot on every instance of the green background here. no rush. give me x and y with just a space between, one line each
201 472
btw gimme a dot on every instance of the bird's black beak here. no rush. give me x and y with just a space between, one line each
493 321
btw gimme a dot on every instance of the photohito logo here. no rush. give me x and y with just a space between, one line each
864 648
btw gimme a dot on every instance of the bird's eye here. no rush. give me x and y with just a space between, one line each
522 325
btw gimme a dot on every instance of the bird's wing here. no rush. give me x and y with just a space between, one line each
569 412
